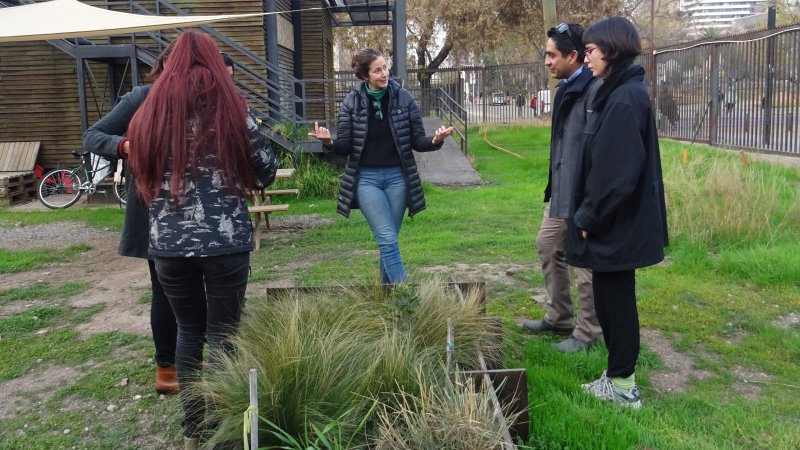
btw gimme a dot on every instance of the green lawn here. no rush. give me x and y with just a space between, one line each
720 300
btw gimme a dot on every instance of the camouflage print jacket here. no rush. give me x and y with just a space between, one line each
211 219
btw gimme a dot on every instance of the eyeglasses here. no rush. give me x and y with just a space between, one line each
588 50
378 113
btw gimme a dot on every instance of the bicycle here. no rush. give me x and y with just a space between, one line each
62 188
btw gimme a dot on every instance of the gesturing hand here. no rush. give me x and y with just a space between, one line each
322 133
441 134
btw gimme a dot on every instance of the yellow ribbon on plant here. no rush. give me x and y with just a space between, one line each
247 426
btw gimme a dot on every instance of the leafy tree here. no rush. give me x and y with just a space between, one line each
510 30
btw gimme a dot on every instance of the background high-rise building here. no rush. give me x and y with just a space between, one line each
719 14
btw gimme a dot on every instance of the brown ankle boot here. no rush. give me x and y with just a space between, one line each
166 379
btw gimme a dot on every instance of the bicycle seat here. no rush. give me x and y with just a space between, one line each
80 152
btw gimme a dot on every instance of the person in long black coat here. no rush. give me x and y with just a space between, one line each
618 219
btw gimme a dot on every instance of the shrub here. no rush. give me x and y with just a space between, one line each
313 176
326 356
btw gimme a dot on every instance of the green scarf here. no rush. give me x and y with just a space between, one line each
377 95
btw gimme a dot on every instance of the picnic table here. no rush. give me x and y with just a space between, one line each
263 206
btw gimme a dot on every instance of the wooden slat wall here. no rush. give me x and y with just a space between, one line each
317 57
39 99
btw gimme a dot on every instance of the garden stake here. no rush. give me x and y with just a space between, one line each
250 424
744 158
450 345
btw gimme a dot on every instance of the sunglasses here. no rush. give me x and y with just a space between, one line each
563 28
378 113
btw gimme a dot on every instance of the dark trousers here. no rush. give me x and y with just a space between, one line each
207 295
162 321
615 305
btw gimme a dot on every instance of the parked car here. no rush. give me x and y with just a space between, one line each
499 98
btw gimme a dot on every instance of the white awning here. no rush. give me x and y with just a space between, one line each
59 19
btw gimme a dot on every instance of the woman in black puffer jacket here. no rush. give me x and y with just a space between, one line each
377 128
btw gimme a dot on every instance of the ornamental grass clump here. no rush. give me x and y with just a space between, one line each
442 416
328 355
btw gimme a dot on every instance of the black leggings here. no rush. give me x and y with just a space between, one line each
615 304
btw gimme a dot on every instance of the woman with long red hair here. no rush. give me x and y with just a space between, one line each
194 149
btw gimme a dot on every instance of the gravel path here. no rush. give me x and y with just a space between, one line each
56 235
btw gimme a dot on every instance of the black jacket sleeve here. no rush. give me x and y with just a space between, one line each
343 144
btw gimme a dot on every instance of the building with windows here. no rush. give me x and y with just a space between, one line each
718 14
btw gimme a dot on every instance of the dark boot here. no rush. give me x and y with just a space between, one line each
166 379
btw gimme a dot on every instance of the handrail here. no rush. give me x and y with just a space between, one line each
280 110
455 110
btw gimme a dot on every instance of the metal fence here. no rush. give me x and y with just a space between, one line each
742 92
487 94
491 94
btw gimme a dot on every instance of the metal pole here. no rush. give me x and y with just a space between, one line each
399 56
271 37
82 94
549 13
770 75
713 118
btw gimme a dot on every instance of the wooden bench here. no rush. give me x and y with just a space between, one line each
282 192
262 204
264 210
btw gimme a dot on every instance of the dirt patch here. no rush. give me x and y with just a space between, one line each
679 370
750 382
488 273
37 386
116 281
790 320
55 235
296 223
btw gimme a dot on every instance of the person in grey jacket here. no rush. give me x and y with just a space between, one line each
107 138
377 128
564 59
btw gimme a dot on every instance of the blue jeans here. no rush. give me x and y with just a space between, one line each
207 295
382 196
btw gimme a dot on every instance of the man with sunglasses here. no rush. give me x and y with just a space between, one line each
564 54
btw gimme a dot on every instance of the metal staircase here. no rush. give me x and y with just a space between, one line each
272 97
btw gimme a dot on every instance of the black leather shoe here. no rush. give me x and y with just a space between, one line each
542 326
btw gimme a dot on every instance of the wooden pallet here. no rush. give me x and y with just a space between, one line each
17 187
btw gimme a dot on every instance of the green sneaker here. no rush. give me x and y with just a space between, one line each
605 389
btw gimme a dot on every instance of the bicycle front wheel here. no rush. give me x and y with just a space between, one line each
60 188
121 191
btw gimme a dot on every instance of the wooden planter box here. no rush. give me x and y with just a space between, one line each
508 388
